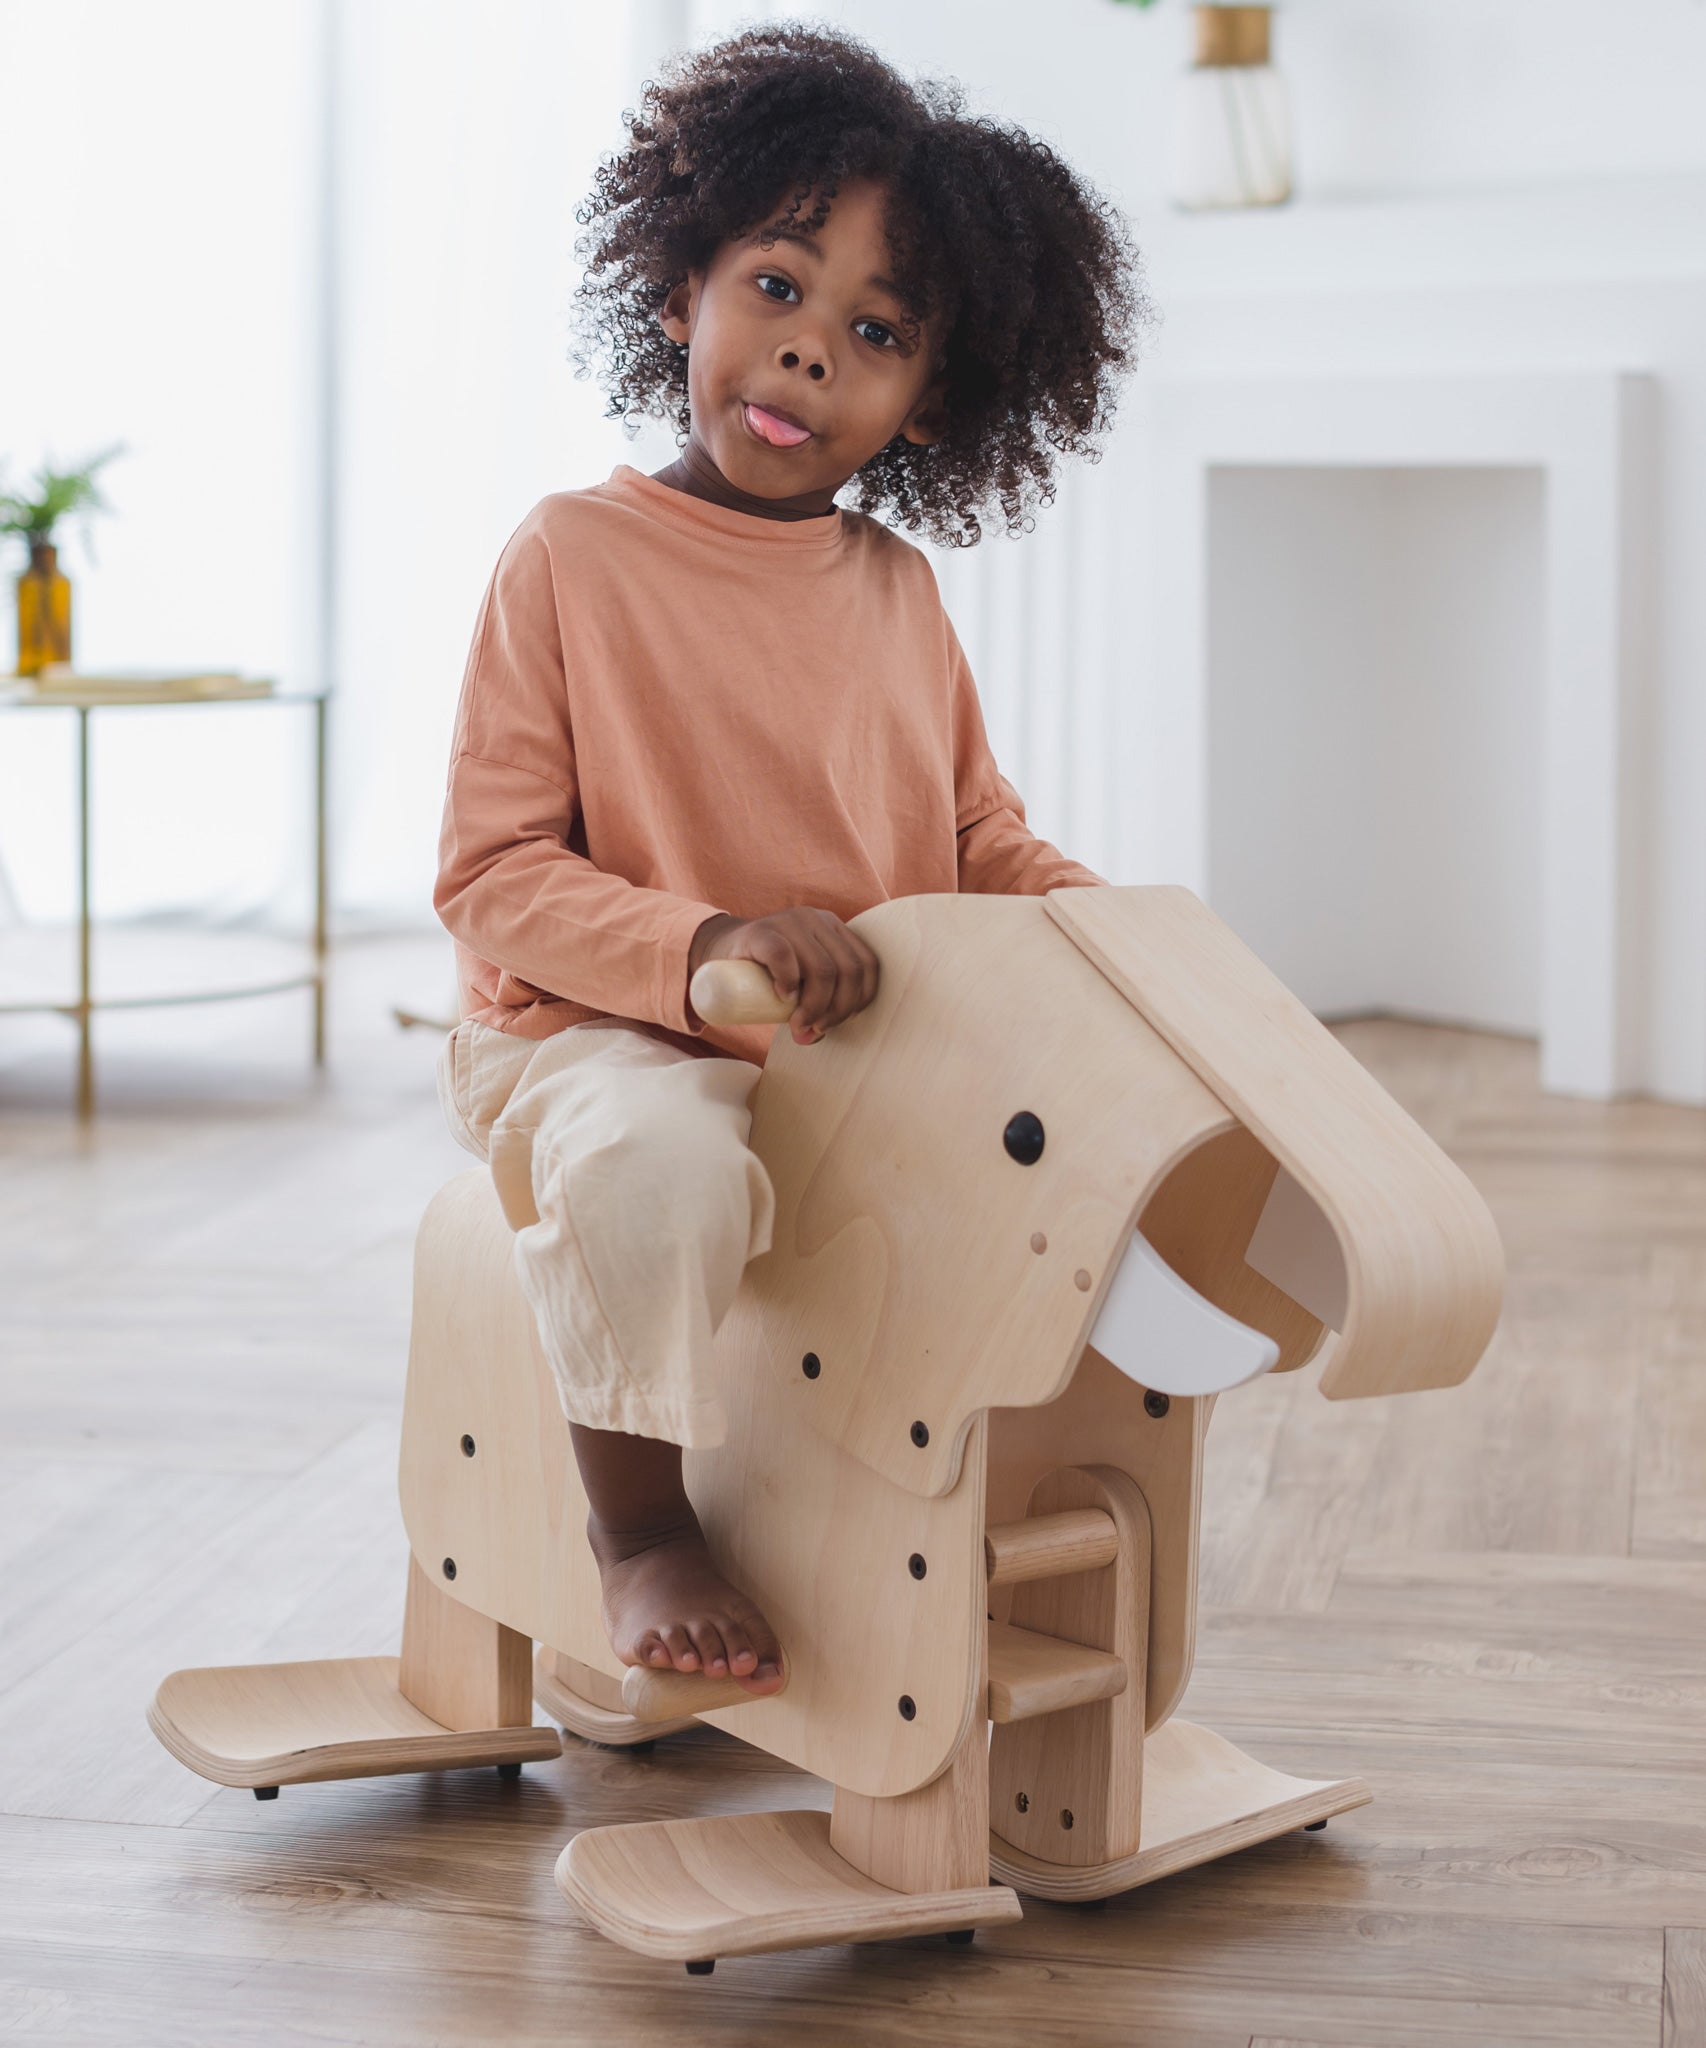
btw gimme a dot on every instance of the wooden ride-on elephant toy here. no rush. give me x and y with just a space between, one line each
1080 1167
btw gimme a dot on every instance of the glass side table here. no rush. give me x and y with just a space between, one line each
85 695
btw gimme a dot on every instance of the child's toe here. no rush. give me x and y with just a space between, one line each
679 1644
709 1643
762 1638
737 1644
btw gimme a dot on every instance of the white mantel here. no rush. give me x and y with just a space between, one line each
1600 231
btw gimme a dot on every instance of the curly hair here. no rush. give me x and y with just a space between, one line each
1030 272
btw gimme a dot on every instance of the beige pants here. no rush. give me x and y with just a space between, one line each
649 1205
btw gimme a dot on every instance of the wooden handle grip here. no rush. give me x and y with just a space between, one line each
668 1695
738 992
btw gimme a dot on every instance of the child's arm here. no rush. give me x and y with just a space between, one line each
509 887
999 855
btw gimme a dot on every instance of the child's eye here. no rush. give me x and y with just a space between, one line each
767 278
882 337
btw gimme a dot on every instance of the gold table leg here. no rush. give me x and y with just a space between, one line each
320 881
85 935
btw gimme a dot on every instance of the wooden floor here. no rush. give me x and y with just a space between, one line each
1489 1603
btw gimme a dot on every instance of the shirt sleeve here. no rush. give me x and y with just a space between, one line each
999 855
510 887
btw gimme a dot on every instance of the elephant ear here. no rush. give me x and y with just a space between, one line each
1369 1225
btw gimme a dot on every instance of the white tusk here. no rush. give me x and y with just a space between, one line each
1162 1333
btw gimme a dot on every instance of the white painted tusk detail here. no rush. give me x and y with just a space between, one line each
1162 1333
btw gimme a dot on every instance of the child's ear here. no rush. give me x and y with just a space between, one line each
928 420
675 315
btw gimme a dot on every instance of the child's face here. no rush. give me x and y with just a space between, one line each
799 365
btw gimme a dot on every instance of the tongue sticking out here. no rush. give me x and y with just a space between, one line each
779 433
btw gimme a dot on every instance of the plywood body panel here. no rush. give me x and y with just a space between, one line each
931 1272
510 1515
822 1539
826 1544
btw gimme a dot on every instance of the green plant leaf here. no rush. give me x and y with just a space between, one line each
55 494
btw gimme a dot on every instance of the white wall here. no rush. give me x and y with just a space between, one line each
168 273
176 267
469 135
1375 676
156 239
1391 95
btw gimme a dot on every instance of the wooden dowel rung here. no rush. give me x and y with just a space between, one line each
1031 1674
1050 1546
668 1695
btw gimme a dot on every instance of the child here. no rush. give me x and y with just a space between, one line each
711 715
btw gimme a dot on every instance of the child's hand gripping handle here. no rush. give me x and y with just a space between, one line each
737 965
738 992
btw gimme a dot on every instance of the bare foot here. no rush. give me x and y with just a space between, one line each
665 1603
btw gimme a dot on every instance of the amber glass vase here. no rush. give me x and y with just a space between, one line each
44 611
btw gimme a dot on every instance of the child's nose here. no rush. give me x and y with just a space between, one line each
815 367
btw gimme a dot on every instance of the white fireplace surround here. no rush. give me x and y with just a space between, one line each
1588 437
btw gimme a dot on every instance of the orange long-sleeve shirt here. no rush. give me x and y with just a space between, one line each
672 709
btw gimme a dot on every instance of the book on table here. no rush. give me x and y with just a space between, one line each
60 679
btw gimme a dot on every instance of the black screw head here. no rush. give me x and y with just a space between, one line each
1066 1816
916 1565
811 1365
1022 1801
467 1447
1156 1405
450 1567
908 1707
1023 1137
920 1434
